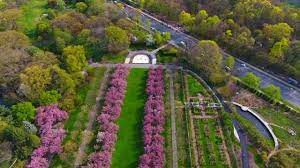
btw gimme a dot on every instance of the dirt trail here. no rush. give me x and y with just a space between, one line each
173 120
92 116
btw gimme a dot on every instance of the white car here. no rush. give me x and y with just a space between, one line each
152 28
183 43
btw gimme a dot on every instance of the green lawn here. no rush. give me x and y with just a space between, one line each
114 58
32 11
195 87
130 136
168 55
284 120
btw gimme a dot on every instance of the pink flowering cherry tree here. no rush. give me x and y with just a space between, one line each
107 135
153 156
51 136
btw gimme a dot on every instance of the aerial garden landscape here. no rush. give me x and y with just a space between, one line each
149 84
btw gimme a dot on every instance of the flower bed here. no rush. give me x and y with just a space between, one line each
107 134
51 136
154 121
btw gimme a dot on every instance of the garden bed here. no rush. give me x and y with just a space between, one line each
209 143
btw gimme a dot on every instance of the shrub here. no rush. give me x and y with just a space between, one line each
81 7
24 111
273 91
49 97
251 80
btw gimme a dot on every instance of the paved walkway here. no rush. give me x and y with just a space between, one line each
92 117
129 65
204 117
173 120
288 148
158 49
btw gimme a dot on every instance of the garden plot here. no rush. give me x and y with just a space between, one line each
211 151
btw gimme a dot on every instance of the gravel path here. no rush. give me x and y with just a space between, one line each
173 120
89 127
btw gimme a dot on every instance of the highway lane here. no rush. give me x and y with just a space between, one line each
289 92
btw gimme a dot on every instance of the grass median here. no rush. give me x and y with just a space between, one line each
130 136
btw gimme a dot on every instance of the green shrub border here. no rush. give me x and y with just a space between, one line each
264 96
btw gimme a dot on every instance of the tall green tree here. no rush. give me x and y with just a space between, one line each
278 51
22 142
24 111
230 61
252 80
74 58
118 39
81 7
206 57
96 7
277 32
33 81
62 81
253 13
273 91
187 20
8 19
49 97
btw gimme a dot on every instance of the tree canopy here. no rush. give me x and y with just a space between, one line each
24 111
252 80
34 81
118 39
74 58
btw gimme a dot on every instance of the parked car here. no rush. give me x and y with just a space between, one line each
293 81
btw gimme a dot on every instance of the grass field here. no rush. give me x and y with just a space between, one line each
130 136
32 11
113 58
285 121
166 57
195 87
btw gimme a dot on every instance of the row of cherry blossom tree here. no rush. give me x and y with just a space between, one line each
153 156
51 134
107 135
